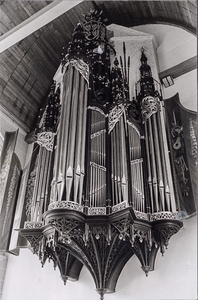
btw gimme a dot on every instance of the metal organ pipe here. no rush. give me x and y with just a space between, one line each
35 193
169 187
62 137
72 136
124 160
159 162
41 186
42 181
70 152
112 170
118 146
149 170
48 177
77 170
136 168
164 169
97 162
153 163
159 171
83 98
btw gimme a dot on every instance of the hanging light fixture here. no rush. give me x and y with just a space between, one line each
100 188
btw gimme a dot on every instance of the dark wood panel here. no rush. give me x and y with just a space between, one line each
14 12
9 59
141 12
14 93
5 72
17 52
3 27
3 84
27 117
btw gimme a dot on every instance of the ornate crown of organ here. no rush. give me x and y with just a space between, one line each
100 185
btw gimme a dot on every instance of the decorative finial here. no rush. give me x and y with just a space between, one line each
101 292
116 62
64 278
143 57
146 270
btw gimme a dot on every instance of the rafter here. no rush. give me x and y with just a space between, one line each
35 22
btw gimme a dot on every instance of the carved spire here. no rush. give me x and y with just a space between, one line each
77 47
117 83
48 118
146 82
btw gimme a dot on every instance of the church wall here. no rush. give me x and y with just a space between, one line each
175 45
186 85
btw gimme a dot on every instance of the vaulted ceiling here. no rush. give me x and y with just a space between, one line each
27 67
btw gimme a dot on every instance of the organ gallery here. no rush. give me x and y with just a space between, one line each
109 176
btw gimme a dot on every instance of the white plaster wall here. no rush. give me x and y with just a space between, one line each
186 85
175 44
174 276
3 266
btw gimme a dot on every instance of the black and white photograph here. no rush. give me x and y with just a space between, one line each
98 150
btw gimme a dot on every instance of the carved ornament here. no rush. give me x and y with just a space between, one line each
81 66
96 210
163 215
149 106
115 115
119 206
65 204
46 139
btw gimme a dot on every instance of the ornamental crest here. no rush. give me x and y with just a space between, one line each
46 139
81 67
114 116
149 106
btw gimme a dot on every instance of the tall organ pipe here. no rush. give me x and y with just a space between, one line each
158 164
60 156
167 159
69 158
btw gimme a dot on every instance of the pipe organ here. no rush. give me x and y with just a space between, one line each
100 186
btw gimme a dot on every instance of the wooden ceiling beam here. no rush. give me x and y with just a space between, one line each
180 69
35 22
